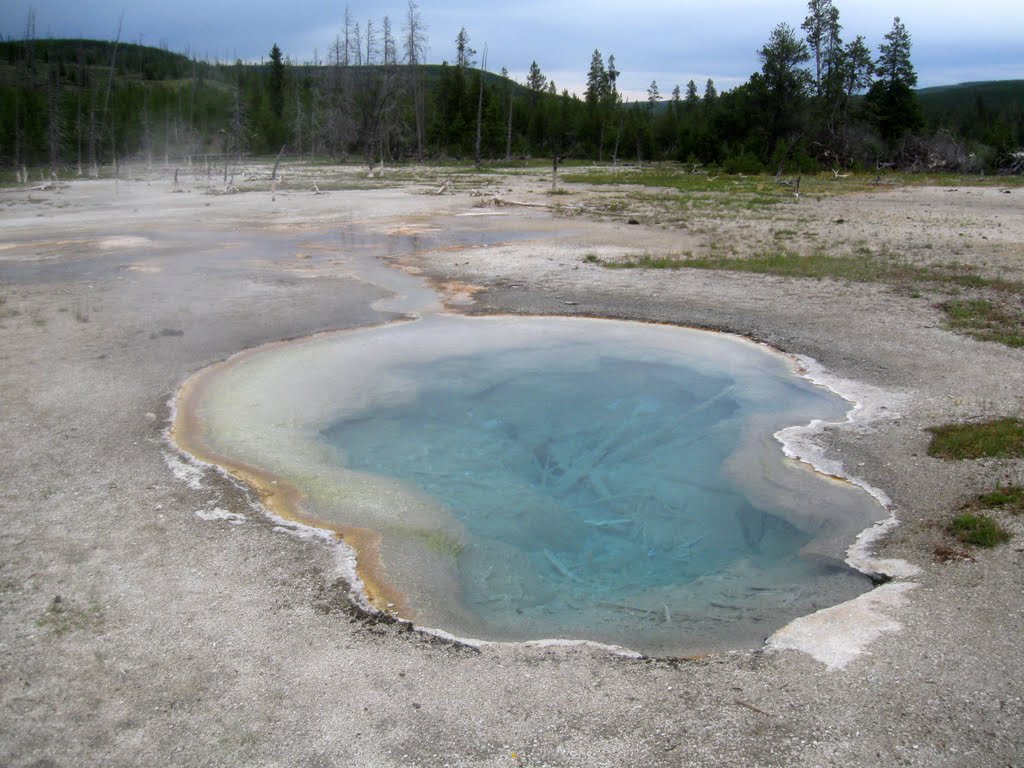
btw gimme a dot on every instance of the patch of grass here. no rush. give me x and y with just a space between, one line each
592 258
62 617
647 262
874 269
980 318
978 530
999 438
1008 497
986 321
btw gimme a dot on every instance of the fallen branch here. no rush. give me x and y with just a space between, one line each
751 707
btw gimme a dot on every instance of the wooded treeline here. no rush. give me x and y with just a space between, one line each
818 101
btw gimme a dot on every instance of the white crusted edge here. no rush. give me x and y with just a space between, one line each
869 404
189 469
837 635
615 650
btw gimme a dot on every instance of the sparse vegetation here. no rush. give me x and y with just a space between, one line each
6 311
872 269
62 617
986 320
1009 498
978 530
999 438
999 319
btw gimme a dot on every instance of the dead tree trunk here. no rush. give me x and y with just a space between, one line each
277 162
508 136
480 106
53 128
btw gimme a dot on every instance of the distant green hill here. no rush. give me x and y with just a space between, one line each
991 112
132 61
1003 90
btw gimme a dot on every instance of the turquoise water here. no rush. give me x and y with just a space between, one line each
591 486
542 478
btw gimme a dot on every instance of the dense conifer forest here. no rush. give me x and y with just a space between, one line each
818 102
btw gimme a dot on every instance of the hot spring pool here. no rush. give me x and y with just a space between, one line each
534 478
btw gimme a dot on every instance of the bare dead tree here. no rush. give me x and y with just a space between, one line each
147 132
234 140
54 130
618 135
415 51
357 45
346 53
480 105
297 122
508 136
338 108
110 88
371 42
19 124
25 85
94 166
390 55
377 98
83 80
30 30
315 121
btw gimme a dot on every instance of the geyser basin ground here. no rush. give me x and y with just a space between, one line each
529 478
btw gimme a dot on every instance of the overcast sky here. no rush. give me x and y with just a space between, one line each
670 41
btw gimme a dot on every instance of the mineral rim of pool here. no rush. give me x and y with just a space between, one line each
522 478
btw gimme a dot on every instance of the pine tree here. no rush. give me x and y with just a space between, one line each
782 87
894 63
611 80
822 28
891 100
463 52
535 81
276 82
597 79
692 97
653 94
710 93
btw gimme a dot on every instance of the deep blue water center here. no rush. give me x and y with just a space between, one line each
592 494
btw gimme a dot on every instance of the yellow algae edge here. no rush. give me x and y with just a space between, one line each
278 496
284 500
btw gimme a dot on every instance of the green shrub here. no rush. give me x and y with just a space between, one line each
979 530
1008 497
998 438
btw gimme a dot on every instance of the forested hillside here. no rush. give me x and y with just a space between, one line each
817 102
988 113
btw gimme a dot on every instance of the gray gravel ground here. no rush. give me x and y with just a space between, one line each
132 632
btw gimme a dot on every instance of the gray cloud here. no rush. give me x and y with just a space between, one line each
670 42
